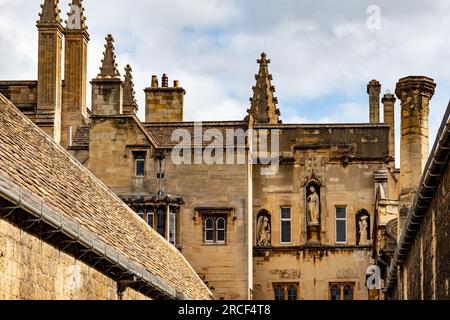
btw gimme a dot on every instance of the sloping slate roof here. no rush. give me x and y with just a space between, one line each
31 159
162 132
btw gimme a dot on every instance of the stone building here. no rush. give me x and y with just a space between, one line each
260 209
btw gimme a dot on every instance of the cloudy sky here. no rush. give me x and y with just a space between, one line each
323 52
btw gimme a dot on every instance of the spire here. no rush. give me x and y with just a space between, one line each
129 100
264 104
109 65
76 19
50 13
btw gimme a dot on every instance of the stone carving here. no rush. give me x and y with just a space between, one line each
363 231
313 167
392 228
263 229
346 274
362 227
313 207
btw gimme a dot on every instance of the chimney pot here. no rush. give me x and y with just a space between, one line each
165 81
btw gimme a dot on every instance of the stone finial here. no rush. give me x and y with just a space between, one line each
50 13
109 65
165 81
129 100
76 19
263 103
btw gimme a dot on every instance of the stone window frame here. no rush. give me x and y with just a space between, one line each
228 214
285 286
215 218
336 219
139 156
342 286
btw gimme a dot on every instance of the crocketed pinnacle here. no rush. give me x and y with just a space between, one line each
50 13
129 100
264 104
109 65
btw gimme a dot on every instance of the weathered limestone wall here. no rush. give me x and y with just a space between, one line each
313 271
214 187
219 186
426 273
352 187
349 186
31 269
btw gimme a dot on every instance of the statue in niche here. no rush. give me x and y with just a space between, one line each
363 230
263 229
313 206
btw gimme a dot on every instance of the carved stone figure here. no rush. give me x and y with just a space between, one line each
263 231
363 231
313 202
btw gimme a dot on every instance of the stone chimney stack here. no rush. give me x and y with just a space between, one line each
415 93
107 88
389 118
74 108
164 104
49 90
374 90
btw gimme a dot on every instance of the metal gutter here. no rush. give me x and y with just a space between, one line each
435 166
34 206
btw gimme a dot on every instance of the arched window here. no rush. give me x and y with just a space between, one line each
292 292
335 292
279 292
140 213
220 230
209 230
215 228
139 164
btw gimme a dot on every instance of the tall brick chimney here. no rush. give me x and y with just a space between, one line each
164 104
389 118
415 93
374 90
